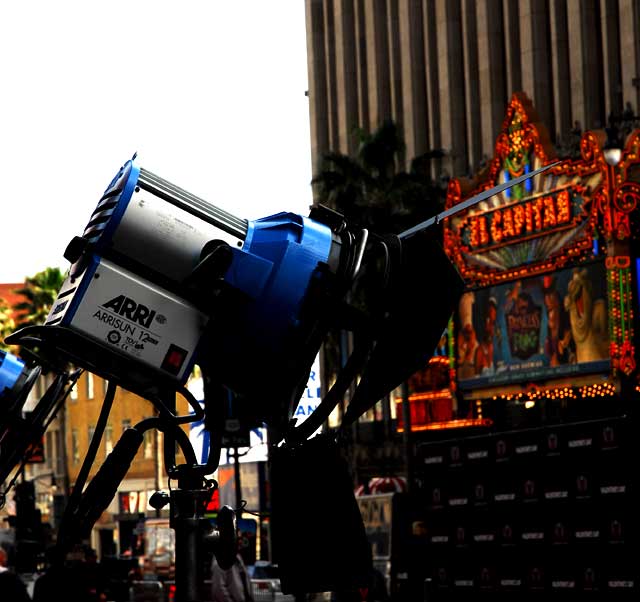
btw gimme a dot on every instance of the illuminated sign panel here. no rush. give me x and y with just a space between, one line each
553 228
526 219
545 223
534 328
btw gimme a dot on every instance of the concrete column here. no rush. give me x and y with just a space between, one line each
330 57
452 85
586 80
378 66
492 68
414 83
472 88
346 89
560 68
361 65
513 67
535 56
630 52
395 63
434 125
611 57
316 66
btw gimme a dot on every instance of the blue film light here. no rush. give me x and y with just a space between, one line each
11 368
276 264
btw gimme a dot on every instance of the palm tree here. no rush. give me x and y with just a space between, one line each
370 190
40 291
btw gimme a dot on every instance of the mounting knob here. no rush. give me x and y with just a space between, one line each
159 500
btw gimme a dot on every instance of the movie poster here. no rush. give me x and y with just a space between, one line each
534 328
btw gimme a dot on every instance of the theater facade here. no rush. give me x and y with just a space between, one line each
525 418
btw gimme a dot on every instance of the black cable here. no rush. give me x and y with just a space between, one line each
50 395
348 373
182 439
214 423
73 379
198 412
94 445
321 413
65 535
103 487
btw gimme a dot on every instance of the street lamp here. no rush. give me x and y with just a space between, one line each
612 155
612 147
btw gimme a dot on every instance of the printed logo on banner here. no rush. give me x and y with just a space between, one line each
312 395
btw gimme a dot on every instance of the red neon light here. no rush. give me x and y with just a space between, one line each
451 424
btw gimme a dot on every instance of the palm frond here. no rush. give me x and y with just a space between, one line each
39 292
379 152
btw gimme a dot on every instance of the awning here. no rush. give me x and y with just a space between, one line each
382 485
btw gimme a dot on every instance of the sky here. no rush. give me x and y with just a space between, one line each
209 94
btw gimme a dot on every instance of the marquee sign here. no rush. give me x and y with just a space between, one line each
557 227
545 223
527 219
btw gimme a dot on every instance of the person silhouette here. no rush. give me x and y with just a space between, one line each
231 584
11 585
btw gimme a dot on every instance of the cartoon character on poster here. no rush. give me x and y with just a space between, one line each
539 327
559 342
467 342
477 335
588 318
484 356
523 317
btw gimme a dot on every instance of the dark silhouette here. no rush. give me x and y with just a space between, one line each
79 578
231 584
372 189
11 586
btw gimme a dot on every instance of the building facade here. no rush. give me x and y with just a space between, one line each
519 449
445 70
65 446
115 531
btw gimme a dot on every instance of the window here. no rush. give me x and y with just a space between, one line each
147 450
75 446
48 449
60 468
126 424
108 440
379 409
395 400
368 416
89 385
90 432
74 392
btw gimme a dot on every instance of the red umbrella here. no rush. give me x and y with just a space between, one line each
388 485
